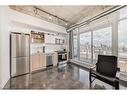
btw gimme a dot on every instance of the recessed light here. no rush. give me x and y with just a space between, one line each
66 23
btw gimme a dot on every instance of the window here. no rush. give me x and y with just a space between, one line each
122 42
75 46
123 13
102 42
85 47
75 43
95 42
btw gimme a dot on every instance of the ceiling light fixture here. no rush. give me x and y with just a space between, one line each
35 11
50 17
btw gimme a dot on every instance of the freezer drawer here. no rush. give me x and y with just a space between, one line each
19 66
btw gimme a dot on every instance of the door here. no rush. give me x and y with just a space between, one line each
42 61
19 66
25 40
19 45
35 60
19 54
15 45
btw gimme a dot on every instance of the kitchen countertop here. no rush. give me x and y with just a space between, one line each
50 52
43 53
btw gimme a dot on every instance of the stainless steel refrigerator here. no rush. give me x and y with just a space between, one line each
20 54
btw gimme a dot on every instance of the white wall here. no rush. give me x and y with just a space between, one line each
4 46
0 46
17 22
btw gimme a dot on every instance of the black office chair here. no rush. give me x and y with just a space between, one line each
105 70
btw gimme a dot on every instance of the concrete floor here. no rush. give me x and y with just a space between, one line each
66 76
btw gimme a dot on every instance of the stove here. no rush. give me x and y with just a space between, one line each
62 56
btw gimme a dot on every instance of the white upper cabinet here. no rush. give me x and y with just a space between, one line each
49 39
53 39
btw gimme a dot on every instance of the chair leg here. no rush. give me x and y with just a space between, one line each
90 81
116 85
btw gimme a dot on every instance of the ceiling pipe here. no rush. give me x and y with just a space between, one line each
105 13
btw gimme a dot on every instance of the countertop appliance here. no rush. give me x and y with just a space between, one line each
20 53
49 59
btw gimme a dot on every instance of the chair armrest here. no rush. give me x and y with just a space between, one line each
118 73
92 67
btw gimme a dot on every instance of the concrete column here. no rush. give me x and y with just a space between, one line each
115 35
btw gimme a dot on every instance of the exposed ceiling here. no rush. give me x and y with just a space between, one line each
63 15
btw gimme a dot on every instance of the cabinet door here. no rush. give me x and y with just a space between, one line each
42 61
35 61
47 38
50 39
55 59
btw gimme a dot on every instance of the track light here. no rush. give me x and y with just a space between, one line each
66 24
50 17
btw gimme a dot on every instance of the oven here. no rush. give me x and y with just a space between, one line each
62 56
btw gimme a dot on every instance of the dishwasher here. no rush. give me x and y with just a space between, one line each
49 60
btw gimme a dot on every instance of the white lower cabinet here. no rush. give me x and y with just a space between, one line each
38 61
55 59
34 61
42 61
